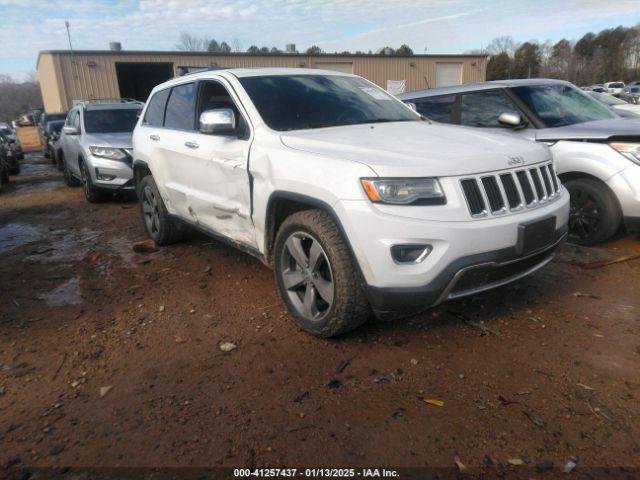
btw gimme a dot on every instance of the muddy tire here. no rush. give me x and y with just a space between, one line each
159 224
4 173
595 214
14 170
91 192
316 276
69 179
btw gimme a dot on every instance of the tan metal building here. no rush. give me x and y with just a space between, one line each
65 76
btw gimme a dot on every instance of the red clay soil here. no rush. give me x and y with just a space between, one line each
111 358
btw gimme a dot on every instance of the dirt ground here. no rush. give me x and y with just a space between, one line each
111 358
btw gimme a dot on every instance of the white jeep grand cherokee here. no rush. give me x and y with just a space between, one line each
356 202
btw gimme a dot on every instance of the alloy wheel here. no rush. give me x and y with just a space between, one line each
150 210
86 181
306 276
585 215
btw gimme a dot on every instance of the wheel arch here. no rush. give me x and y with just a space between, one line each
140 170
282 204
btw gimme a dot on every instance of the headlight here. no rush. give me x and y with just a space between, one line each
108 152
629 150
404 191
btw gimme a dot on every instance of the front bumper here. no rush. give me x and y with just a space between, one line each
110 174
467 276
466 257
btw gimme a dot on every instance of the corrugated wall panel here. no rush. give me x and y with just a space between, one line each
93 75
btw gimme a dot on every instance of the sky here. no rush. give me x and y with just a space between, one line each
427 26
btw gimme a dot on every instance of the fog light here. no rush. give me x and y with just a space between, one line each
410 254
104 176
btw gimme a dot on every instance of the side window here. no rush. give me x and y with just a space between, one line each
482 109
438 109
181 107
214 95
155 111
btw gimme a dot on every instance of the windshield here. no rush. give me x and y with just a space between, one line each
608 99
616 85
111 121
559 105
299 102
635 89
5 130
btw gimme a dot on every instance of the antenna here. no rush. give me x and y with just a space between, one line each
66 24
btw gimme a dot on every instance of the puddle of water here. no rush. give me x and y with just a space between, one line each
37 169
14 235
66 294
40 187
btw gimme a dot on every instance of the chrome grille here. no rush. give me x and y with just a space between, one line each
510 191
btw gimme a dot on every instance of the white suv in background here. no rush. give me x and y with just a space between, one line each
355 201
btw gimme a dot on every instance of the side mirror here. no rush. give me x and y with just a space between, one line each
513 120
70 130
219 121
412 106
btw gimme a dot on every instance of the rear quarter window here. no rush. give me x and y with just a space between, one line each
154 115
181 107
438 109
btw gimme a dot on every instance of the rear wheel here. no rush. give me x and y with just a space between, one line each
595 215
160 226
91 193
316 276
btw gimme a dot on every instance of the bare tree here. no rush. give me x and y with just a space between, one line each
191 43
17 97
502 45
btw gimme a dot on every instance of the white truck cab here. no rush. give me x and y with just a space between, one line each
355 201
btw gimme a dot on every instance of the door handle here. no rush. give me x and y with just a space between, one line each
191 144
155 138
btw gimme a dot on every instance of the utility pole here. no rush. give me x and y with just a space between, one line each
66 24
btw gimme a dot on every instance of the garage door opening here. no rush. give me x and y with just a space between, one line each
448 74
136 80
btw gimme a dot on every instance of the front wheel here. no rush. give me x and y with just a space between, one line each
316 277
595 215
160 226
91 193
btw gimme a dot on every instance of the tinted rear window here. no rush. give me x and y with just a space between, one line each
181 107
155 111
438 109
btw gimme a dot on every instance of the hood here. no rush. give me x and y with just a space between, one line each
598 130
417 148
116 140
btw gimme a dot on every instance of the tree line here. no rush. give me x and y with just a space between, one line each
611 55
191 43
16 97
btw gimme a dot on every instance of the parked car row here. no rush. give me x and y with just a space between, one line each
596 151
10 154
350 195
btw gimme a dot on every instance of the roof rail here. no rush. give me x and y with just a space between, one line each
106 100
213 68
